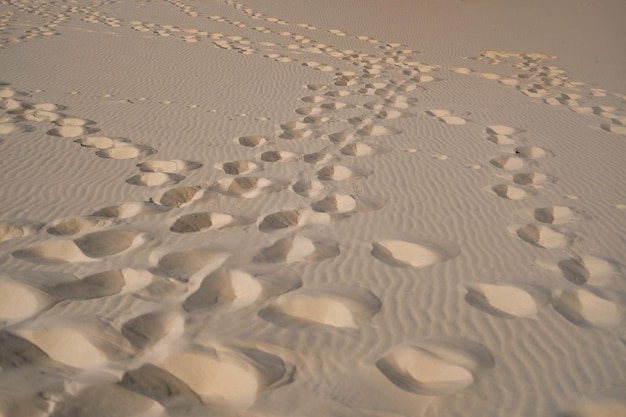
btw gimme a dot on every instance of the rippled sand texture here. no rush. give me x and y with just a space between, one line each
210 209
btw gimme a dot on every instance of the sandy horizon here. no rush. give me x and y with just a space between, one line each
213 208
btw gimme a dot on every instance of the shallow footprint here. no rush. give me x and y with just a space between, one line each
419 253
102 284
542 236
292 218
502 300
180 196
88 248
339 173
202 221
225 287
557 215
74 225
93 342
153 179
247 187
531 178
585 308
126 152
71 127
169 167
297 248
587 269
92 400
509 163
127 210
237 167
227 377
185 265
435 367
341 307
19 301
509 192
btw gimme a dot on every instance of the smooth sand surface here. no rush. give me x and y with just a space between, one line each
312 208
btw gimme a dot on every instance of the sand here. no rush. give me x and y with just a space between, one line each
212 208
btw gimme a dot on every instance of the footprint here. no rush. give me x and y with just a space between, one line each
251 141
88 248
169 167
10 231
542 236
153 382
225 287
531 152
531 178
153 179
71 127
102 284
345 203
435 367
7 127
180 196
93 342
146 330
336 203
363 149
292 218
557 215
297 248
296 133
419 253
502 300
340 173
18 353
509 192
237 167
509 163
75 225
588 269
617 126
118 401
308 187
19 301
128 210
446 117
377 130
102 142
126 152
275 156
501 130
341 307
227 377
185 265
584 308
247 187
203 221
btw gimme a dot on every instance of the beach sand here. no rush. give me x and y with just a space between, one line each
212 208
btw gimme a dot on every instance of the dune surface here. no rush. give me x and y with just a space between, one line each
216 208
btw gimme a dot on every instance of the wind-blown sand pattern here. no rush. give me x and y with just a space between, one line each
212 208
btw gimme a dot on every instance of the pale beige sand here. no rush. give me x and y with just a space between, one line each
312 208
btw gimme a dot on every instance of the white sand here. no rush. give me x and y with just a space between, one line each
312 208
